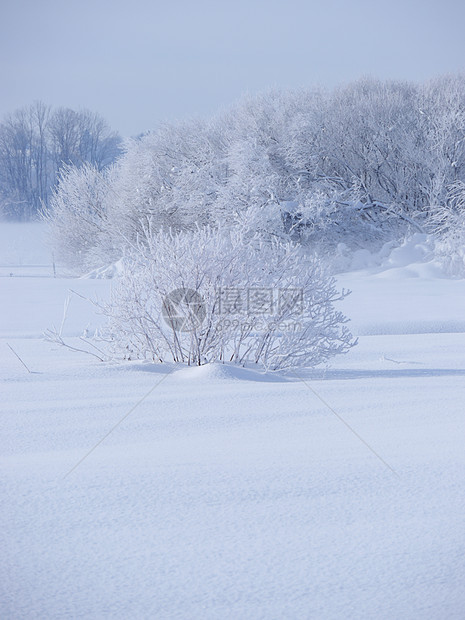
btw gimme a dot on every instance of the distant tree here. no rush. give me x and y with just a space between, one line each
78 137
25 171
36 142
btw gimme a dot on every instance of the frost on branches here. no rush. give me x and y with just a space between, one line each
213 296
78 219
449 226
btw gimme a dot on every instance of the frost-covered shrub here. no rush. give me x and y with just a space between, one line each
449 225
210 295
79 227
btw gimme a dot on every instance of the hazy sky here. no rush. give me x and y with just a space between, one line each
138 62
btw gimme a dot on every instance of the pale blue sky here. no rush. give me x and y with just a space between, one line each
139 62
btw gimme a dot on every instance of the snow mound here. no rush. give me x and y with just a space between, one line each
418 248
224 372
415 257
427 271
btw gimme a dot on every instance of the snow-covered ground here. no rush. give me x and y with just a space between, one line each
139 491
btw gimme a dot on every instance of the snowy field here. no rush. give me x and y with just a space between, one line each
223 493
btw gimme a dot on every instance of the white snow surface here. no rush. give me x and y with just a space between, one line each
146 491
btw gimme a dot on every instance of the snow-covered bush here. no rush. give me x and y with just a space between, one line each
79 228
211 295
449 226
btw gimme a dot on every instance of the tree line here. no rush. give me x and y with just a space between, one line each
36 142
358 165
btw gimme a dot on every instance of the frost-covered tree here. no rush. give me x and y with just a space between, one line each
170 176
441 105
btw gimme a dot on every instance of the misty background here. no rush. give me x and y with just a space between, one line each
138 63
